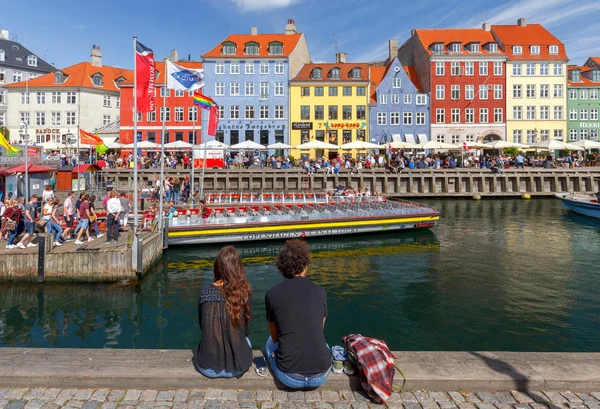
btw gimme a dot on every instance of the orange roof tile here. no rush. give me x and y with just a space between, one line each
456 35
525 36
584 80
377 75
595 60
414 78
345 68
160 69
80 75
289 42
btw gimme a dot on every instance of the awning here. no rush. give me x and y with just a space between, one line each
422 138
410 138
396 137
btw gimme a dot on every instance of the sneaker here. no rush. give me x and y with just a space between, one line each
100 235
116 241
348 368
57 244
32 245
10 246
78 242
337 366
90 239
21 246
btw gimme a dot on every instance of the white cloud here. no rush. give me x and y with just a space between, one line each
263 5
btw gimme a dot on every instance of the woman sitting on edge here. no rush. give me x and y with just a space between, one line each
296 313
225 316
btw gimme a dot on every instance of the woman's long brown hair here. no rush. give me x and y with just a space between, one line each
237 290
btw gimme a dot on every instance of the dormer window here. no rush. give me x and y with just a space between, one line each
59 78
534 50
355 73
517 49
553 49
455 47
438 48
474 47
275 48
229 48
15 47
2 55
334 73
97 80
32 60
120 80
596 75
575 76
316 74
156 75
493 47
251 48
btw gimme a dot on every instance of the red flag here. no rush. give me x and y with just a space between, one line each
213 120
145 77
87 138
466 146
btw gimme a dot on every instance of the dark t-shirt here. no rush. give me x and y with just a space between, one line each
82 210
32 209
298 307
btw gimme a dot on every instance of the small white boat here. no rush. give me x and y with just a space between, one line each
582 204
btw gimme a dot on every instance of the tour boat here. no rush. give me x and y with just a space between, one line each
582 204
285 216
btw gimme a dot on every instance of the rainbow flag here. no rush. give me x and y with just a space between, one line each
203 101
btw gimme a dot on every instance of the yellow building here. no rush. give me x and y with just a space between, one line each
536 83
330 103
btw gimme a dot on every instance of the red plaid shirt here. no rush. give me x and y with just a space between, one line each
375 365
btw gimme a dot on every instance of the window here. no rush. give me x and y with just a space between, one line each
558 69
383 98
530 113
118 102
347 112
474 47
454 138
355 73
573 134
421 99
234 88
469 68
24 117
333 112
264 112
408 98
544 112
469 92
2 96
483 68
573 114
439 69
455 69
483 116
420 118
517 113
179 114
279 89
593 114
71 118
517 91
493 47
334 73
531 136
58 78
516 69
440 115
17 76
165 114
40 118
234 137
455 92
221 111
347 91
32 60
596 75
381 118
558 90
497 91
179 93
264 68
593 93
2 55
229 49
361 91
234 112
106 101
40 98
558 134
251 49
394 118
544 91
438 48
455 47
305 112
497 68
553 49
530 91
407 118
583 94
470 115
55 117
264 90
397 83
279 70
573 93
534 50
558 113
234 68
219 89
319 112
583 114
25 98
530 69
361 112
275 48
593 133
249 112
2 76
319 91
395 99
220 68
440 92
455 115
249 88
483 91
583 134
151 116
544 70
305 91
440 138
544 135
97 80
105 119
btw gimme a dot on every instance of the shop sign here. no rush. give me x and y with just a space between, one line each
47 131
342 125
301 126
256 125
589 124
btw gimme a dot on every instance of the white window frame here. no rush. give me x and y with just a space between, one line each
517 91
497 68
455 115
534 50
394 118
484 113
483 92
421 99
440 92
249 68
279 90
517 69
498 91
279 68
264 68
234 68
517 113
544 113
469 68
220 68
440 69
234 88
470 115
381 118
249 88
553 49
407 118
219 89
397 82
469 92
420 118
440 116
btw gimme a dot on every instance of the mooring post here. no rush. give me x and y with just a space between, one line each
165 234
41 258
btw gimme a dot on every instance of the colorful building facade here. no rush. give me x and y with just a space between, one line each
583 100
536 82
329 102
248 76
463 70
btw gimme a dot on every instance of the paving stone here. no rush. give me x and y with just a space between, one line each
447 405
296 396
50 405
394 405
50 394
213 403
231 405
538 396
439 396
146 405
268 405
312 396
522 406
165 396
229 395
196 394
465 405
75 403
262 395
16 394
505 397
132 394
596 395
212 394
485 406
149 395
116 395
338 405
422 396
3 393
429 404
330 396
323 405
179 405
35 404
456 396
280 396
35 394
17 404
287 405
360 405
304 405
571 397
348 396
162 405
192 404
181 395
246 396
361 397
248 405
471 397
64 396
487 397
394 398
521 397
554 397
411 405
100 395
538 405
91 404
503 405
3 403
109 405
126 407
575 405
588 399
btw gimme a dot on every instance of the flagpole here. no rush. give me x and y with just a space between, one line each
27 138
78 139
135 158
161 190
204 137
193 159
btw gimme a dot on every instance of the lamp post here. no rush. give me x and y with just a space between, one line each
69 141
23 131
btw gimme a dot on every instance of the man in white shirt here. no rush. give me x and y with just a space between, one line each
113 209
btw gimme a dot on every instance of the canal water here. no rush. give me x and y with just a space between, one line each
510 275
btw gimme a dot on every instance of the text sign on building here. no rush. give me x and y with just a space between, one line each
302 126
47 131
589 124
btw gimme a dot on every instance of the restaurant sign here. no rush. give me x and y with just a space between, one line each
302 126
47 131
589 124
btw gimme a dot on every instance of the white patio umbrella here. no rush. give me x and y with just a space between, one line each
554 145
475 145
438 145
178 145
403 145
504 145
142 145
280 145
214 145
587 144
248 145
316 144
114 145
52 146
362 145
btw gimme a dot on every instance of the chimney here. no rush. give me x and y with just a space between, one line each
341 58
4 34
174 56
486 26
393 45
96 56
522 22
254 31
290 28
413 32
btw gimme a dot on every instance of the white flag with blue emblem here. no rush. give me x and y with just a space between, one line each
183 78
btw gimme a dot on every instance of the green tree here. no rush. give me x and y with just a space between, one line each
5 131
511 151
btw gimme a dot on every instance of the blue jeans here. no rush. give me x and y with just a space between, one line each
56 228
176 197
211 373
291 380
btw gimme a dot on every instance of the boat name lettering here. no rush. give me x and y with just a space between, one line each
292 234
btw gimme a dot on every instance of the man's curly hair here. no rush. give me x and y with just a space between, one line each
293 258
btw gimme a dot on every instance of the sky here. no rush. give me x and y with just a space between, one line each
63 33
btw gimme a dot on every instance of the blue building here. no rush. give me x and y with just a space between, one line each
398 109
248 76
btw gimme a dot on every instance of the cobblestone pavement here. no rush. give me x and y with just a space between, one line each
269 399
